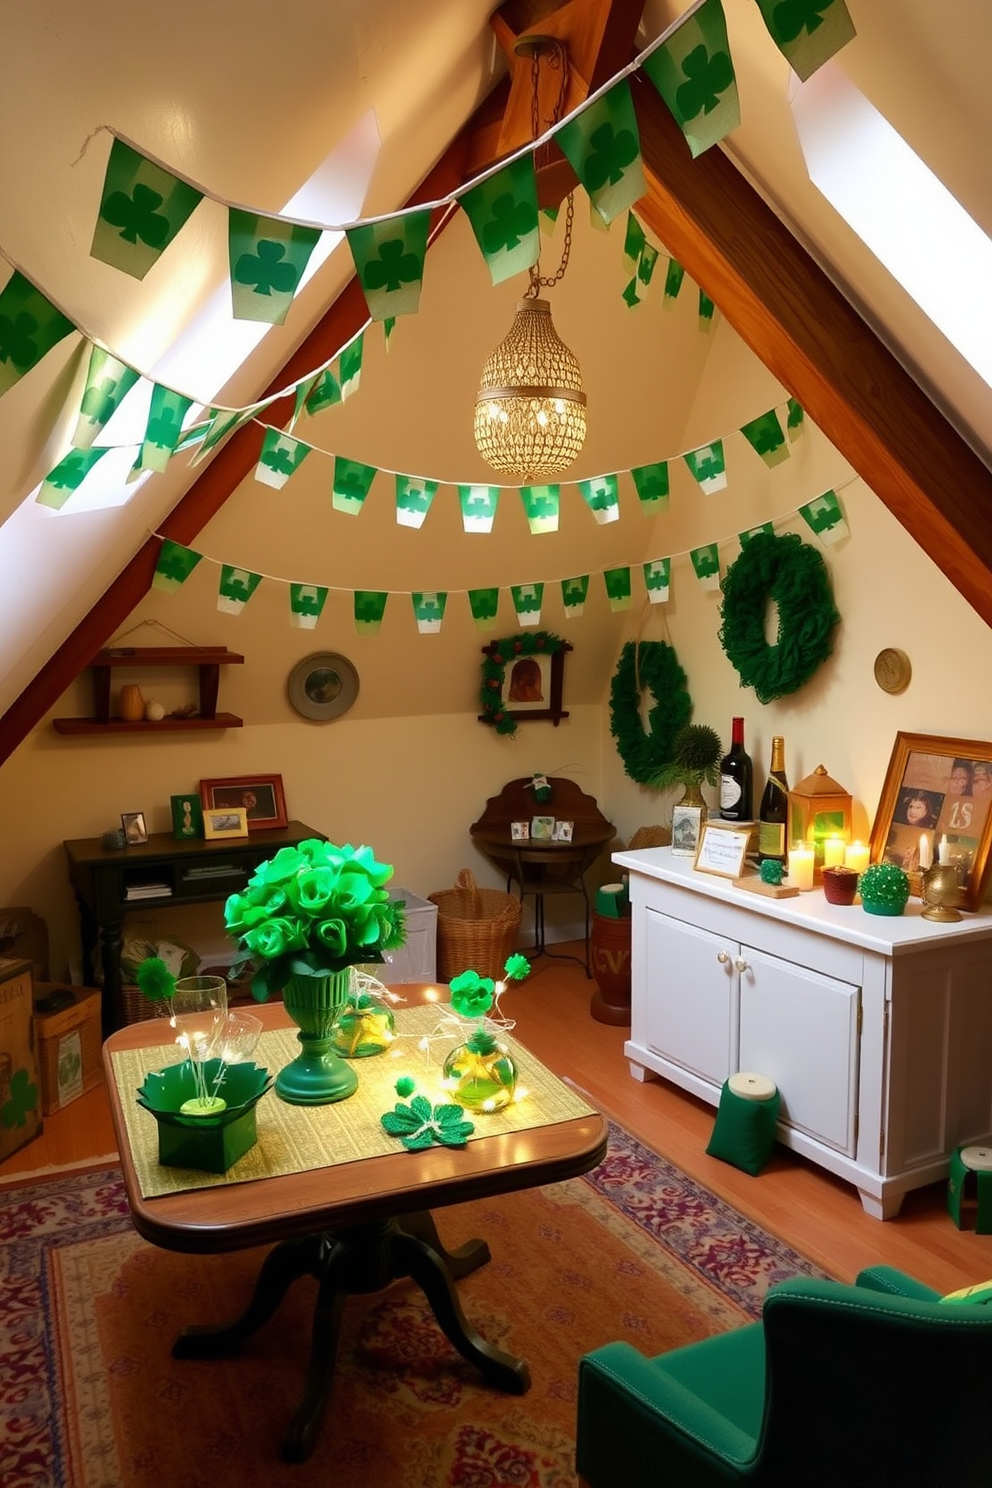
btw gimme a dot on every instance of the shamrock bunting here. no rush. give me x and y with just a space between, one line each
306 601
706 562
795 421
67 477
657 579
674 275
237 585
108 380
765 437
165 422
708 467
351 484
640 257
268 258
541 504
478 504
323 391
762 529
174 566
600 495
825 517
369 608
694 75
603 147
281 457
142 208
807 32
484 604
634 242
220 423
527 601
651 483
503 213
617 581
30 326
413 499
389 260
350 367
706 312
428 608
573 595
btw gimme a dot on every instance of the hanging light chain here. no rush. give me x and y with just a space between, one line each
558 58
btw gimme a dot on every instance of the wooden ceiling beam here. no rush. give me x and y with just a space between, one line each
812 339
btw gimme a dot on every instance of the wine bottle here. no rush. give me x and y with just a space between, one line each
773 813
735 778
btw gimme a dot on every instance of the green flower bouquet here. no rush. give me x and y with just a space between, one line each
313 910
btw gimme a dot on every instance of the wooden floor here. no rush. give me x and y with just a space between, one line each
818 1214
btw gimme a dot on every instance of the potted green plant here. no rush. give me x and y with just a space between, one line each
696 754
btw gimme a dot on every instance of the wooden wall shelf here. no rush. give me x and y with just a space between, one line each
208 661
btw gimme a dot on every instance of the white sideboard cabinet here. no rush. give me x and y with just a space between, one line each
877 1030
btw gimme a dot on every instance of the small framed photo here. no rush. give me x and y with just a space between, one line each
520 831
261 796
721 850
187 816
135 830
225 821
562 831
542 828
687 824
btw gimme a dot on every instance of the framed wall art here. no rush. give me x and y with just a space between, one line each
523 679
187 816
936 806
261 796
225 821
687 824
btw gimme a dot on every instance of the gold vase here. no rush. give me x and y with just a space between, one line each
693 796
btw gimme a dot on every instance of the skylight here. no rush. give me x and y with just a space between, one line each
899 208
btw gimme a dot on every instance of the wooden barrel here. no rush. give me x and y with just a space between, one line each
610 954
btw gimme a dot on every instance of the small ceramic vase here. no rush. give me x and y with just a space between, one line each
839 885
130 703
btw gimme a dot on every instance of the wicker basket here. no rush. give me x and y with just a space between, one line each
476 928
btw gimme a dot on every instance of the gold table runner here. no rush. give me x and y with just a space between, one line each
294 1139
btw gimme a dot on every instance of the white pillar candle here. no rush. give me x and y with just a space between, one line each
943 851
856 856
801 866
926 854
833 852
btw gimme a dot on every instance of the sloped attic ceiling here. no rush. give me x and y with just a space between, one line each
251 112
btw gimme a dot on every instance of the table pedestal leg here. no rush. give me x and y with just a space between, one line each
357 1259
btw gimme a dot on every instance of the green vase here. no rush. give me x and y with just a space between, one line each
318 1075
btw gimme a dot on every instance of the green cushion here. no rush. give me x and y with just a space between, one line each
744 1131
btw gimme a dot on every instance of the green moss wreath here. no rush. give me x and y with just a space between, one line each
528 643
794 575
652 665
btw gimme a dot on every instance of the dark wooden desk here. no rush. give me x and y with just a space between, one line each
355 1226
108 884
538 867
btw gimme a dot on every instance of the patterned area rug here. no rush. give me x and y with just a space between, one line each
90 1396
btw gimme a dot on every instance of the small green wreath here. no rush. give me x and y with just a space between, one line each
794 575
528 643
652 665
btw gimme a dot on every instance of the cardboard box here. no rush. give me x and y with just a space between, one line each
68 1036
20 1087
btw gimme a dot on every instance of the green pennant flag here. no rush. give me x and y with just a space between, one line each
108 380
370 606
634 242
30 326
350 367
541 504
174 566
826 518
503 214
630 295
389 260
323 391
636 291
527 600
388 327
428 608
707 466
765 437
573 595
651 482
306 601
807 32
600 495
165 422
547 217
674 275
300 394
350 485
413 499
706 312
268 257
706 562
617 581
694 74
657 579
237 585
281 457
795 422
603 148
764 529
221 422
478 504
484 603
142 208
67 477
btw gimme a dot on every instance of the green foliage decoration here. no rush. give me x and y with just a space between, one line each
528 643
651 666
696 755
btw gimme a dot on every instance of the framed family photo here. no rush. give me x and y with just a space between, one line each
261 796
936 805
225 821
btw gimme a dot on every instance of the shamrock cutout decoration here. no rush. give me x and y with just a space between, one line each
707 77
420 1125
137 216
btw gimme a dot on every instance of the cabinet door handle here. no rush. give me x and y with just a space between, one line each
741 965
722 957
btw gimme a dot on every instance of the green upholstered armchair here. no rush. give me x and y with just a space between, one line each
874 1384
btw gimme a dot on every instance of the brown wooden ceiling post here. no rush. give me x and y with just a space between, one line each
808 335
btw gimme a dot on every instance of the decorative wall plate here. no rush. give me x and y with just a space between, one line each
323 686
892 670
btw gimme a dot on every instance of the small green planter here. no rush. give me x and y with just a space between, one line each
211 1144
884 889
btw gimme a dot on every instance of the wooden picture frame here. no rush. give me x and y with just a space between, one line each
687 825
187 816
224 821
721 850
135 831
526 685
937 792
261 796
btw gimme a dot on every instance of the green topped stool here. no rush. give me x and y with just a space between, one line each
966 1161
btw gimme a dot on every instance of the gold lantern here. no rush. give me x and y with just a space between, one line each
820 814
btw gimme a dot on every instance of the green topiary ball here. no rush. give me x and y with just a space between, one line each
884 889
